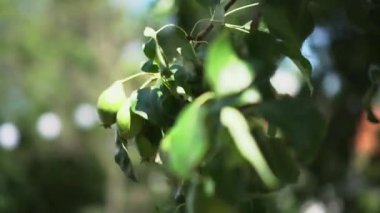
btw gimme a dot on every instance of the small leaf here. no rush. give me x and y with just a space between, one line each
123 160
186 143
149 49
225 72
149 32
238 128
150 67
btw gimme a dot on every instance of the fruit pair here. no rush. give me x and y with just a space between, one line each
115 107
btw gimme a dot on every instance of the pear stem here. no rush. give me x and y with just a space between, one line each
134 76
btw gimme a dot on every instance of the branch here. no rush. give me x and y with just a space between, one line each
255 21
229 5
202 35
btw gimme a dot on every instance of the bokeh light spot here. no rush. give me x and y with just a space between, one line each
85 116
49 125
9 136
285 82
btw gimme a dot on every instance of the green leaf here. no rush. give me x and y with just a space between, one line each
265 51
174 43
300 122
123 160
150 48
290 20
149 32
208 3
150 67
225 72
188 80
186 143
146 104
239 130
280 159
305 67
157 105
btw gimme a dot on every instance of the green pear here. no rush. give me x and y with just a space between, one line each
128 123
145 147
109 103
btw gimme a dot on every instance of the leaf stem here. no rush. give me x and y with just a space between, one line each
237 27
134 76
148 82
240 8
201 21
172 25
204 98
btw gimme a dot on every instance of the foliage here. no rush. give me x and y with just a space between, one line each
218 130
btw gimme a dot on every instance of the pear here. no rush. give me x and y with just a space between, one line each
145 148
109 103
128 123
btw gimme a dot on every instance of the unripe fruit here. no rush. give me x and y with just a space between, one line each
145 148
128 123
109 103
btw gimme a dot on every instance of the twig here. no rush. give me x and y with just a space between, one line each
229 5
255 21
205 32
202 35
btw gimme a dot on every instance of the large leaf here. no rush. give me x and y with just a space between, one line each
265 51
157 105
247 145
225 72
150 67
186 143
208 3
290 20
300 122
175 44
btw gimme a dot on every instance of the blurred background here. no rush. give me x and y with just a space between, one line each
57 56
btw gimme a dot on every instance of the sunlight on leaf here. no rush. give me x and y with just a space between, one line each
186 143
246 144
226 73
